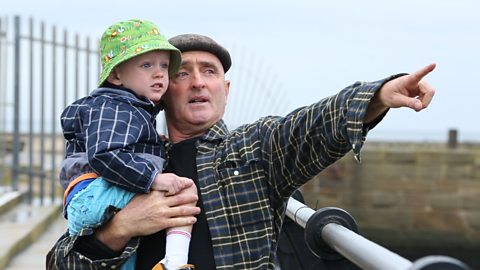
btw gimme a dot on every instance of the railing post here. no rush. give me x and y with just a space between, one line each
42 110
3 102
452 138
54 118
16 104
31 116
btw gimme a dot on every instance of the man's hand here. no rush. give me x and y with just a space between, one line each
407 91
146 214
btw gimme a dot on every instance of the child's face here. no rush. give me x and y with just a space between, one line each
146 74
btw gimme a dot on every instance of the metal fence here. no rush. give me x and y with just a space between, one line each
42 70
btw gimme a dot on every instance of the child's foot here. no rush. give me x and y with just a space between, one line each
186 267
161 266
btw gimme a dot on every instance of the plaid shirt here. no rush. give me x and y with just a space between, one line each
117 130
247 175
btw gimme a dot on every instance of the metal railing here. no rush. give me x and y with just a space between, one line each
45 71
331 233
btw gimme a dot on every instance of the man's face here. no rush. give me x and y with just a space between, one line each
197 94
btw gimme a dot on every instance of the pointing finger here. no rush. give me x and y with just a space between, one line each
423 72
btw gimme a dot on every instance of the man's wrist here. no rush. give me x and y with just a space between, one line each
113 236
375 109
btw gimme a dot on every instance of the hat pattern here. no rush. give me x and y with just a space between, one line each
127 39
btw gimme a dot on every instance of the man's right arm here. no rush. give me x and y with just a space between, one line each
72 252
144 215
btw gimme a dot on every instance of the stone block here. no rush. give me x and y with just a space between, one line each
442 202
430 171
401 157
430 158
372 156
413 200
472 218
471 201
384 199
378 218
459 171
459 157
439 221
449 186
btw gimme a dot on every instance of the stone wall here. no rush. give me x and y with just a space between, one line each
417 199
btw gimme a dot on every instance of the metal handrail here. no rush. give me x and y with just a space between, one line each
331 233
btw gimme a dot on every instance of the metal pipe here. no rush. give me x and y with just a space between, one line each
3 91
65 75
16 106
298 212
77 66
87 65
42 110
361 251
31 115
331 233
53 175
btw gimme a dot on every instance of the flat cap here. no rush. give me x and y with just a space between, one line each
195 42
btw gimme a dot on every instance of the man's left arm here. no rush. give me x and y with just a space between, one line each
299 146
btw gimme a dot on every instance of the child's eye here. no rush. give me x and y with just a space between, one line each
146 65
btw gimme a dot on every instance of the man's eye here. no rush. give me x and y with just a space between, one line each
210 71
181 74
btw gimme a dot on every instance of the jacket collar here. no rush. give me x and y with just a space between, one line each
217 132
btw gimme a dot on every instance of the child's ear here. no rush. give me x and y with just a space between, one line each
114 78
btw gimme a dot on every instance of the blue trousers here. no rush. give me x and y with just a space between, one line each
87 207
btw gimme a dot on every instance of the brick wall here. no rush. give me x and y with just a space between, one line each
413 198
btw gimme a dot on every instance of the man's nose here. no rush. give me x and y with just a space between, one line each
198 80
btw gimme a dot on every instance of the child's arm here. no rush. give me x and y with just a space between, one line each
112 131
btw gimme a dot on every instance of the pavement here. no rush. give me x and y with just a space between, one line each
33 257
27 230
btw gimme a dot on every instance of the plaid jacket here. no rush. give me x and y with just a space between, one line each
118 132
247 175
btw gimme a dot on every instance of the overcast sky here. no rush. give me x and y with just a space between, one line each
301 51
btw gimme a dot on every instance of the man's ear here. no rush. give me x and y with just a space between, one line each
227 87
114 78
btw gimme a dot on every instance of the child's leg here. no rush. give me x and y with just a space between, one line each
178 241
87 207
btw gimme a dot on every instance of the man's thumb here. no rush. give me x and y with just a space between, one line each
415 104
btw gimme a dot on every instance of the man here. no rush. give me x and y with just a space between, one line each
245 176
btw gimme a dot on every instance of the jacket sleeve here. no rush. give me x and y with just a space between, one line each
300 145
110 134
65 252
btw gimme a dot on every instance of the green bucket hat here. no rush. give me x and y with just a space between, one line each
127 39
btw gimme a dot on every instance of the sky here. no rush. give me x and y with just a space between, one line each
288 54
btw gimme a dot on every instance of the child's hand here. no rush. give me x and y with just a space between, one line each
171 183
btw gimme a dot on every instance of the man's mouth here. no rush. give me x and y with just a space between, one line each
198 100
